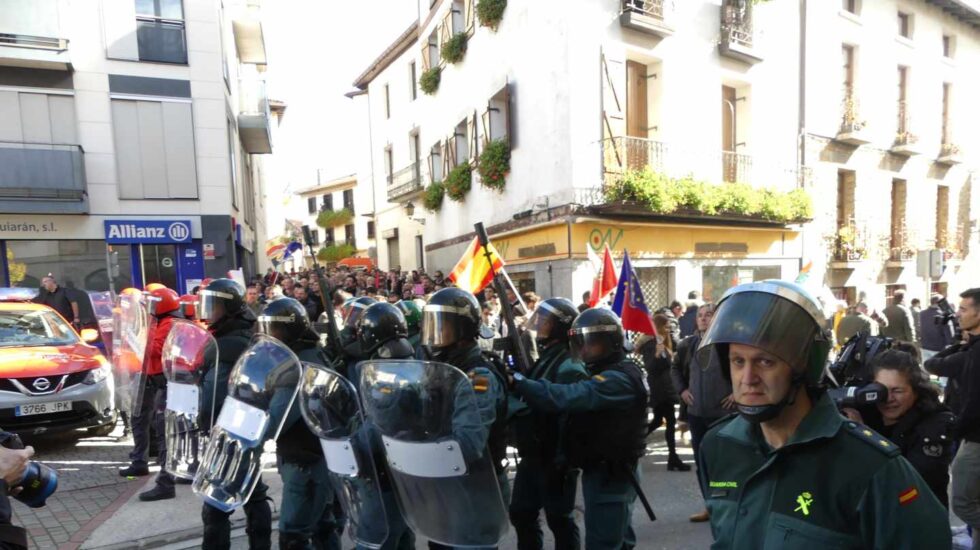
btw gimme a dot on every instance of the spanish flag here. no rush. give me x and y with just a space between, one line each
472 271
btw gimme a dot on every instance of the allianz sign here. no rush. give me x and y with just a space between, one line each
147 231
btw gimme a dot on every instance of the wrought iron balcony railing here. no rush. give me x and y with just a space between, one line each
404 182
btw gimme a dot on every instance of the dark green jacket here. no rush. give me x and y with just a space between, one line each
835 484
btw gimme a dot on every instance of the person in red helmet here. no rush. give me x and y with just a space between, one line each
188 306
163 304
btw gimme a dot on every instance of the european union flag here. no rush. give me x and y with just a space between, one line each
629 303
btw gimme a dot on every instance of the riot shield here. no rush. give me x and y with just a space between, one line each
330 408
130 336
435 443
102 310
261 389
188 353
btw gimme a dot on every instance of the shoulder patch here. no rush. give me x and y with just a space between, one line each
599 378
872 438
481 383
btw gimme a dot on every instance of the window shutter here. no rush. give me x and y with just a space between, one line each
446 148
613 118
471 126
485 120
425 56
468 9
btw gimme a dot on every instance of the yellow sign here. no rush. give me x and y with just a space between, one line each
543 243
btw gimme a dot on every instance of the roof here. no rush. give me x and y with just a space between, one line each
402 43
967 11
344 182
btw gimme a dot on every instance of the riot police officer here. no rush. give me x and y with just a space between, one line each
788 471
544 479
450 326
222 305
607 424
352 311
413 315
307 496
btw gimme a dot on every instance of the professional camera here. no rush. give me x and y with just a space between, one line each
850 378
39 482
947 316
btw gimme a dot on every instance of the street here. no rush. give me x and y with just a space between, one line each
90 492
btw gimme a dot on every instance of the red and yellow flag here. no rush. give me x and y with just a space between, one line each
472 271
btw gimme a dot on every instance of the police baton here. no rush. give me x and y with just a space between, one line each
639 492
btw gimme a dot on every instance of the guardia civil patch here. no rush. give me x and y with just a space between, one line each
480 383
908 496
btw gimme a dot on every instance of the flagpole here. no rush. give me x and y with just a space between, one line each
503 271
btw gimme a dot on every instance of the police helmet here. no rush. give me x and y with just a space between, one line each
221 298
354 308
451 316
284 319
552 319
596 335
412 313
380 323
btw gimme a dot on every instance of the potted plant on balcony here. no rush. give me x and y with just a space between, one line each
905 137
847 246
455 48
851 122
458 181
432 199
494 165
334 218
490 12
335 252
429 81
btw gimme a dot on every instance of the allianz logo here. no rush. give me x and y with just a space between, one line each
176 231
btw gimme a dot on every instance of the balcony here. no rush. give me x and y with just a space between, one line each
736 31
30 35
949 154
39 178
849 248
900 255
906 143
254 120
648 16
405 183
161 40
247 26
852 128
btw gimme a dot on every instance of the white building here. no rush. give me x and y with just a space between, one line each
338 212
132 141
715 90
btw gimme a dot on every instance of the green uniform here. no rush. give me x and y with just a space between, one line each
544 479
835 484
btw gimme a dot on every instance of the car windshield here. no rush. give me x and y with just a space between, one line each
34 328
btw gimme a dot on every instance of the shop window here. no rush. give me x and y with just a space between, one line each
715 280
77 264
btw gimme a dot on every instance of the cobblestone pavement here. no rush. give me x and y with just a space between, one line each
88 485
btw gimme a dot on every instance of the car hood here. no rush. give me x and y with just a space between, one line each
48 360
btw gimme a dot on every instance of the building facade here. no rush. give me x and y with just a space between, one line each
338 213
715 98
133 141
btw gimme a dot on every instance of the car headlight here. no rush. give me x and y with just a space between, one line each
96 375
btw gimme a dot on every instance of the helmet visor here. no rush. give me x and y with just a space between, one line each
210 306
769 322
356 309
589 344
152 304
545 321
441 325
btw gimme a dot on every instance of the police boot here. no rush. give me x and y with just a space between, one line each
674 462
258 524
134 470
157 493
293 541
217 528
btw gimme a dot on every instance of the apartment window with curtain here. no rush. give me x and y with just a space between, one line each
154 143
160 31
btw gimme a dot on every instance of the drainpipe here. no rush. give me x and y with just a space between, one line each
801 147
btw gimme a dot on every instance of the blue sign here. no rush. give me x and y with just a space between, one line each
147 231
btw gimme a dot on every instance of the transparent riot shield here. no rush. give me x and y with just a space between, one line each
330 408
102 303
261 389
130 335
188 353
435 443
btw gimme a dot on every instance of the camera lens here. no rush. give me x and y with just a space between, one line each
39 482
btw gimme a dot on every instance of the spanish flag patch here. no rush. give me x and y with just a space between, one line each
480 383
908 496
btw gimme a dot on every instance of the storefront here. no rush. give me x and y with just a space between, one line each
103 252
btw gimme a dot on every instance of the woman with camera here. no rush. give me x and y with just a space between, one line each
912 417
657 353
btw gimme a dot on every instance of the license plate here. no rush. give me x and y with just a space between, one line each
42 408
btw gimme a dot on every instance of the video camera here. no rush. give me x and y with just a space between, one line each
947 316
39 481
850 376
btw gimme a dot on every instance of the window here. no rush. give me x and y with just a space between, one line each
942 217
389 164
458 22
370 229
387 102
155 149
846 183
349 199
419 252
847 52
899 240
461 145
949 43
413 82
232 162
904 24
80 264
715 280
435 162
496 119
903 115
327 202
315 235
946 137
160 31
850 6
311 205
328 236
415 152
349 234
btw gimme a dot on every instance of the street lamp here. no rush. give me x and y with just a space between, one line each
409 209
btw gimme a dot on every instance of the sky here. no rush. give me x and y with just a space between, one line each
315 49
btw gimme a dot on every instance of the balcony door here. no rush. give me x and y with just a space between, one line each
637 120
729 127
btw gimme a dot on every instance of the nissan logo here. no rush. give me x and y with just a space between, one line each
178 231
42 384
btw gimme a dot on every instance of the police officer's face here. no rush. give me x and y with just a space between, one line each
901 396
758 377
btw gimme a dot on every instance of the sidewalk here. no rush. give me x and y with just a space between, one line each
130 523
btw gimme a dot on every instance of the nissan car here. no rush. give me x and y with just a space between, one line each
51 379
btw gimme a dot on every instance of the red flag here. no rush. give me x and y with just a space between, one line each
605 281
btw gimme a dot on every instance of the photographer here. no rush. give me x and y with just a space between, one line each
913 418
936 335
13 464
960 362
